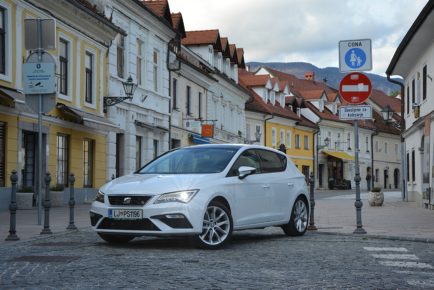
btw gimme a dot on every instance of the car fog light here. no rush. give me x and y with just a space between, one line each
174 216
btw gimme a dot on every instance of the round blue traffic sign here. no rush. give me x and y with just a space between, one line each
355 58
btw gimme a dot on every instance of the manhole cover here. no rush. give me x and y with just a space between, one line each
57 244
46 259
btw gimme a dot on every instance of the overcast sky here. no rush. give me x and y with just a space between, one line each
304 30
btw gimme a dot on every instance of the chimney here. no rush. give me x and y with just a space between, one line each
309 75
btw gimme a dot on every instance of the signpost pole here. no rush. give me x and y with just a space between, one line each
358 204
39 173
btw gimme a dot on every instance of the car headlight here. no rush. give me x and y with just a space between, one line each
99 196
178 196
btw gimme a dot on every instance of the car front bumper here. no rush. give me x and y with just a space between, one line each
172 218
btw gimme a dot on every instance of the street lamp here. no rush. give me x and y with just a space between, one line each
387 113
129 88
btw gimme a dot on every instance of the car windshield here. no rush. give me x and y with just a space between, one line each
191 161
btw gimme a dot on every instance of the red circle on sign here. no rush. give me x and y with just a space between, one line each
355 88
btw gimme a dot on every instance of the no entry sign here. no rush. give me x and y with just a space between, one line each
355 88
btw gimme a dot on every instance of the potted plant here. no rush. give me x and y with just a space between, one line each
25 197
56 195
376 197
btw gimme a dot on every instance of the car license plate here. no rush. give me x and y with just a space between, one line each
125 214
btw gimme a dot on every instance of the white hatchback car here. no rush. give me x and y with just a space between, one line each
204 191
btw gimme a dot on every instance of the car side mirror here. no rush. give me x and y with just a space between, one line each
245 171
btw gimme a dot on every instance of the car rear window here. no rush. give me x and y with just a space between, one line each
271 161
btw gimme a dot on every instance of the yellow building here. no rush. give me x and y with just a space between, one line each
75 128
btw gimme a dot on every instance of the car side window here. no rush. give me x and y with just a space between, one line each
247 158
271 161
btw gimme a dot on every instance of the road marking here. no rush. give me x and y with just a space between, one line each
374 249
395 256
403 264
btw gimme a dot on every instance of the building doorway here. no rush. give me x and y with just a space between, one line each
28 151
396 178
321 172
386 177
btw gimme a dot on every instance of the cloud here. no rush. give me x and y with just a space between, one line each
309 30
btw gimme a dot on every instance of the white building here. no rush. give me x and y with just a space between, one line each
225 97
414 62
142 54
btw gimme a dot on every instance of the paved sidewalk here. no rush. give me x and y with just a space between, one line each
395 219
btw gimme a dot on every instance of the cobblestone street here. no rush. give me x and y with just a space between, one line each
260 259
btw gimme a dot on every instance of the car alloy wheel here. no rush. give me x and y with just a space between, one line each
217 226
297 224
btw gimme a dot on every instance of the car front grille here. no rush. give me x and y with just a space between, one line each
133 225
128 199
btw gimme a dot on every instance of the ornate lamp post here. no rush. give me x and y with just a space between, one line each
129 88
387 113
312 226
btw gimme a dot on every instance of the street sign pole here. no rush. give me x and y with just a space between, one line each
358 203
39 174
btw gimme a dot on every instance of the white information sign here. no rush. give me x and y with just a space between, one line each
355 112
355 55
39 78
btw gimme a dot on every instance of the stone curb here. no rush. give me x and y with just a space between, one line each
382 237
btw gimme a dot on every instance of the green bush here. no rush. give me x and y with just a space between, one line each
25 189
57 187
376 189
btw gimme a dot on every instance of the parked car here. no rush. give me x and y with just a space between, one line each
205 191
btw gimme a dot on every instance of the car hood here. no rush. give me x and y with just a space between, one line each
154 184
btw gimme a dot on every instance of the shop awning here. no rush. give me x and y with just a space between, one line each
87 119
340 155
198 139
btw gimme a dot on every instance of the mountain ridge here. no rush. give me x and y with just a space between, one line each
332 74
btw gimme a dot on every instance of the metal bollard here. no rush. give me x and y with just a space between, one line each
312 226
13 209
71 203
47 205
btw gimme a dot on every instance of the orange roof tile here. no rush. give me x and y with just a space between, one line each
178 23
251 80
160 8
240 57
203 37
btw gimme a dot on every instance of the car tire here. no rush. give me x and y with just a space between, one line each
217 227
115 239
298 221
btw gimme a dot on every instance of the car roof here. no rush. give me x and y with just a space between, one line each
233 146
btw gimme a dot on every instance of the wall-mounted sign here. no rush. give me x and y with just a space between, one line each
208 130
39 78
355 55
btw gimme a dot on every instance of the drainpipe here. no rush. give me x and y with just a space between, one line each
372 159
404 191
175 42
265 129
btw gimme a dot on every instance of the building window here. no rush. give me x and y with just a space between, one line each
88 162
376 146
121 56
139 62
273 137
413 165
2 40
63 62
408 100
2 154
199 96
349 141
62 159
155 70
156 145
413 91
367 144
377 174
174 94
408 167
385 147
297 141
306 142
424 74
89 78
188 101
282 136
288 139
138 152
259 133
396 149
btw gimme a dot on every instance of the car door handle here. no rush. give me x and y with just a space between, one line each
291 184
265 186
